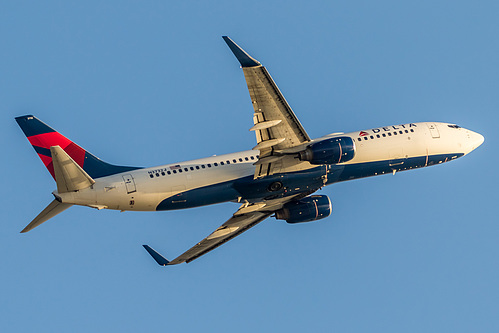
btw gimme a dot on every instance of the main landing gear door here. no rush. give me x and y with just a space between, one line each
433 130
129 183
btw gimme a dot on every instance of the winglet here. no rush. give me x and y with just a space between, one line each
162 261
244 58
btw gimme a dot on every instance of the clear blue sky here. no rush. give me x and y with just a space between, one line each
152 82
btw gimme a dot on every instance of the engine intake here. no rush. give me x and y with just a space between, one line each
329 151
312 208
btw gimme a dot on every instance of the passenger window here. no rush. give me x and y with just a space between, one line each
246 158
222 163
180 170
157 174
185 169
192 168
197 167
162 173
400 132
406 131
384 135
209 165
372 137
412 131
228 162
395 133
359 139
240 160
215 164
234 161
252 157
377 135
168 172
389 134
365 138
202 166
174 171
151 175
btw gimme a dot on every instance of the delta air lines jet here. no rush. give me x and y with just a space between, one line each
277 177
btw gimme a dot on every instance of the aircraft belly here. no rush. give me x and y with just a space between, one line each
248 189
202 196
281 185
374 168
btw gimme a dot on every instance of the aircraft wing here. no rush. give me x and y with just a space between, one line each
247 216
276 126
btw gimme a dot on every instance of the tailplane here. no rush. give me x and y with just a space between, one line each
69 176
42 137
54 208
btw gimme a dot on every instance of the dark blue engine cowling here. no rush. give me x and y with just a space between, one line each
329 151
312 208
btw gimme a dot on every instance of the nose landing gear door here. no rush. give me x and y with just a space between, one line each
129 184
433 130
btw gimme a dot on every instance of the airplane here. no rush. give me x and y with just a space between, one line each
277 177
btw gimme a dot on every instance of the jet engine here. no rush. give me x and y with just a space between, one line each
329 151
312 208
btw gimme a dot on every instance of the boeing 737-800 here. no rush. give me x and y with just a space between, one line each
277 177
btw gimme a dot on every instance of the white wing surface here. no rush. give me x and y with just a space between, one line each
276 126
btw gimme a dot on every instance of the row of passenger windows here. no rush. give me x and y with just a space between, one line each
201 166
385 134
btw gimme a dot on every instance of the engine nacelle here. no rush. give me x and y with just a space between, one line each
329 151
312 208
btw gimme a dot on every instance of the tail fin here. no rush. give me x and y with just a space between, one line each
42 137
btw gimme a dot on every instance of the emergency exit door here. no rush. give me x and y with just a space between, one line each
129 184
433 130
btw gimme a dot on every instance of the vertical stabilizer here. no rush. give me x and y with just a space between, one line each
42 137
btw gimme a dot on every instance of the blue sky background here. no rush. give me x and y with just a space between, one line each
152 82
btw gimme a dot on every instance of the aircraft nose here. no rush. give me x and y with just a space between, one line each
475 140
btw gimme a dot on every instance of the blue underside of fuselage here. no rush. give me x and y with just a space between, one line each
250 189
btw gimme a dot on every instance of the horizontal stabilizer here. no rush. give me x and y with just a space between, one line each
69 176
158 257
54 208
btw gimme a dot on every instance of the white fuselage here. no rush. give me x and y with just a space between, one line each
210 180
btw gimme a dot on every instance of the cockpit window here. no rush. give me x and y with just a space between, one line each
454 126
